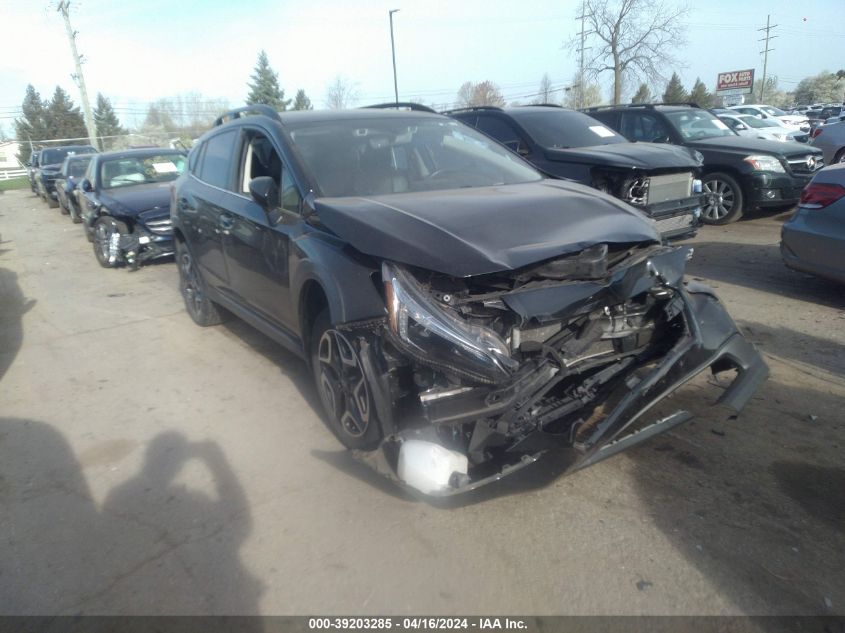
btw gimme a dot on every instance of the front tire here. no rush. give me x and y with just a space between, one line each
107 230
840 156
202 310
343 386
50 202
723 199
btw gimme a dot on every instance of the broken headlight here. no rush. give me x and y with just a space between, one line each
431 332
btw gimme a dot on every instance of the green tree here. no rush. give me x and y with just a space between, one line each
264 87
63 118
700 95
32 126
675 92
302 102
822 88
642 95
107 122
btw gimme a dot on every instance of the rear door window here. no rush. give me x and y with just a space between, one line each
499 129
216 166
643 126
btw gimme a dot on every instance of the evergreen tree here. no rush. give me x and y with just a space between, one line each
32 126
301 102
700 95
63 118
642 95
107 122
675 92
264 87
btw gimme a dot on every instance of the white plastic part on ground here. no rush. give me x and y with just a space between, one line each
428 467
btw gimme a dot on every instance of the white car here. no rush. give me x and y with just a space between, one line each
768 129
791 121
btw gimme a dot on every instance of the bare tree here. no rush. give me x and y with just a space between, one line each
484 93
544 92
341 94
636 38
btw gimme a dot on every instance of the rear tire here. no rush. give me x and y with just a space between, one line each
840 156
63 208
723 199
202 310
343 387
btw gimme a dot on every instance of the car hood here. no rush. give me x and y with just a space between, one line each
746 144
480 230
136 198
628 156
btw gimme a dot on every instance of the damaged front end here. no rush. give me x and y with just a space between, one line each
475 377
151 237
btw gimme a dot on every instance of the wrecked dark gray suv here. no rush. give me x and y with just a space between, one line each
462 314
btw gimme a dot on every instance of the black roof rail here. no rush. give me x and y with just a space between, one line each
472 108
410 105
237 113
649 106
543 105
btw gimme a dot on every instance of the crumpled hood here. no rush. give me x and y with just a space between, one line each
479 230
646 156
130 201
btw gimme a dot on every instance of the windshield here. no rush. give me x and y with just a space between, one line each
694 125
772 111
565 128
383 155
57 155
141 169
753 121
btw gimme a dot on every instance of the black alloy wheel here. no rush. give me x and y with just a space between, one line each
202 310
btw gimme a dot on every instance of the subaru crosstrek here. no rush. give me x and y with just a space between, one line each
461 313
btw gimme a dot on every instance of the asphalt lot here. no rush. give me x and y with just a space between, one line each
148 466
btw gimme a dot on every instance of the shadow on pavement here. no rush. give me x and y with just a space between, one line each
760 267
755 504
787 344
155 546
13 305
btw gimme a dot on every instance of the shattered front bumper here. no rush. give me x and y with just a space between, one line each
711 340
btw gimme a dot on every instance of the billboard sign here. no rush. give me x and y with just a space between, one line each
735 82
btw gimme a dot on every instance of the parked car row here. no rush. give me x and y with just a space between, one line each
122 198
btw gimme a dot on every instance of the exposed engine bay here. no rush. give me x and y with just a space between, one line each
486 373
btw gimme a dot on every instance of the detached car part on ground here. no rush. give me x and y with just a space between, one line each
461 314
124 199
661 180
739 173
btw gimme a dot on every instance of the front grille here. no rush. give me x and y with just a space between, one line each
669 187
162 226
799 164
675 223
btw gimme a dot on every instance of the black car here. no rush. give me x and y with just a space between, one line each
50 164
32 169
660 180
461 313
739 172
72 171
125 204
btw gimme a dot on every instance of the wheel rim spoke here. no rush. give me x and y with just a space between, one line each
343 384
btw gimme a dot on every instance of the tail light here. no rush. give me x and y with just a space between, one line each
816 132
820 195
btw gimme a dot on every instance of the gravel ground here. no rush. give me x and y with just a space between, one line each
148 466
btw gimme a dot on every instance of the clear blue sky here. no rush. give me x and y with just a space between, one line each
137 52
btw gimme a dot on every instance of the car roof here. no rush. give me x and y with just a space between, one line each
309 116
145 151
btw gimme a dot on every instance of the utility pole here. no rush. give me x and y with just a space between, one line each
581 48
765 53
63 7
393 52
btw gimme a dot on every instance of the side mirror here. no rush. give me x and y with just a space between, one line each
740 126
265 192
86 185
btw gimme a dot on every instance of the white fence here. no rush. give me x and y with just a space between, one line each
8 174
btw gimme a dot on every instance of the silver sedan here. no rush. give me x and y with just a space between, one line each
813 239
830 139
